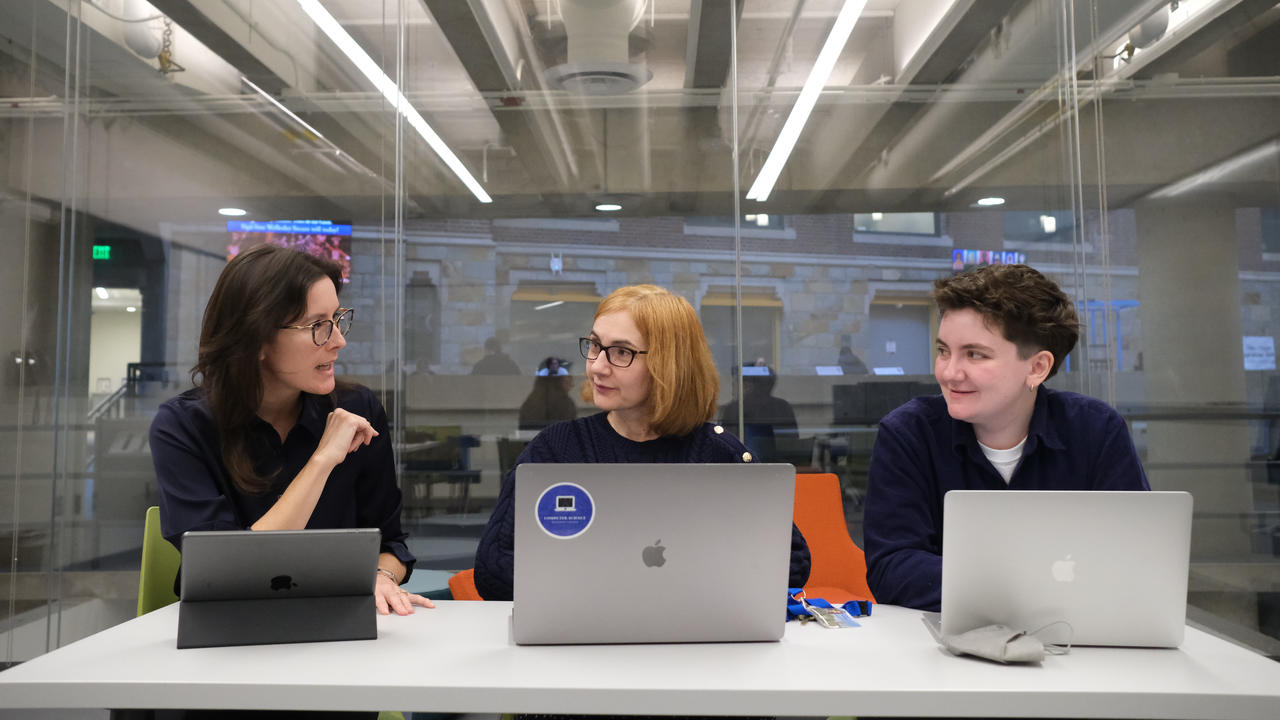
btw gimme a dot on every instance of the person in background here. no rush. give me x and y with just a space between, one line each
549 400
495 362
269 439
650 372
850 363
1004 331
765 417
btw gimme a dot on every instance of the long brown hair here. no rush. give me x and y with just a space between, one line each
685 383
258 291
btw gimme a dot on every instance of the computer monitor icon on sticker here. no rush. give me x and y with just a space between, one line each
565 503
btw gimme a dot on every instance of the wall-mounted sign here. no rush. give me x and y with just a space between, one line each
1259 352
292 227
965 259
321 238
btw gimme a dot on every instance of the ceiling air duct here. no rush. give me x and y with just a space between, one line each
143 33
598 61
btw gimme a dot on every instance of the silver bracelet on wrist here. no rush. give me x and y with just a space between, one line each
389 574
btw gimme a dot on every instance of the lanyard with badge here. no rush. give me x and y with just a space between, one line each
806 609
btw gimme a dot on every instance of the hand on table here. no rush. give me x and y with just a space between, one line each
389 597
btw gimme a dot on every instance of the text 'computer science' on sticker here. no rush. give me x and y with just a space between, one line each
565 510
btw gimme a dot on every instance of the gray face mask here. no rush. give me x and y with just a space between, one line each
996 642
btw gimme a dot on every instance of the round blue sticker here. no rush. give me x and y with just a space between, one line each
565 511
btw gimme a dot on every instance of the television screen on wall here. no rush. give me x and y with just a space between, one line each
321 238
968 259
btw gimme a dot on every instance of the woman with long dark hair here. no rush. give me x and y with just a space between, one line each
269 439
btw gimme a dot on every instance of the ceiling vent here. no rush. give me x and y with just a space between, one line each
598 61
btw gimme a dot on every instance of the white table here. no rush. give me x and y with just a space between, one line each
457 658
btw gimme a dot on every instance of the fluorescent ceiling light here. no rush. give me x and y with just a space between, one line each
551 304
1049 224
818 76
608 207
131 309
102 293
990 201
391 92
877 216
762 220
232 212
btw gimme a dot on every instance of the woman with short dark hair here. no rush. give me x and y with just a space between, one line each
1005 330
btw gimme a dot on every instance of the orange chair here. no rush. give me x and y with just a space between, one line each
463 585
839 570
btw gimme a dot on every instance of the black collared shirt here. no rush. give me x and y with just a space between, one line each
196 491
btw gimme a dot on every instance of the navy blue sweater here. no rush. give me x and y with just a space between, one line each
1074 442
591 440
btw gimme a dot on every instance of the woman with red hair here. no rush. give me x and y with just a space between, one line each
650 372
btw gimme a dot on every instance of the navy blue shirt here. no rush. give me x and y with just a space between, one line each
197 493
591 440
1074 442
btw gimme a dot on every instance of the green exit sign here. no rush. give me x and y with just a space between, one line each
101 252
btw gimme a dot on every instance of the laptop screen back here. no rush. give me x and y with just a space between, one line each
617 553
1110 565
247 564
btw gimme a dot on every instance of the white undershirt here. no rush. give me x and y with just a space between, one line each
1004 461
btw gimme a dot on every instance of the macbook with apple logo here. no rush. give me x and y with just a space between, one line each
1081 567
244 587
643 553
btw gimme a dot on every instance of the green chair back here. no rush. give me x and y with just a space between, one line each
160 562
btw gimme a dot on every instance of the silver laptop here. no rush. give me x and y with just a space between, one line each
244 587
1089 567
632 553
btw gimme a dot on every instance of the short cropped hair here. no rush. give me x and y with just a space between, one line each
685 385
1029 309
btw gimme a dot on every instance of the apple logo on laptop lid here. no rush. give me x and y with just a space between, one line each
652 555
1064 570
283 582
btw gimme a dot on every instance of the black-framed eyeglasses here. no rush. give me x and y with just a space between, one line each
617 355
322 330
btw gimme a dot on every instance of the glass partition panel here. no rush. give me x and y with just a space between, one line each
801 172
148 148
1189 334
607 150
1057 134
